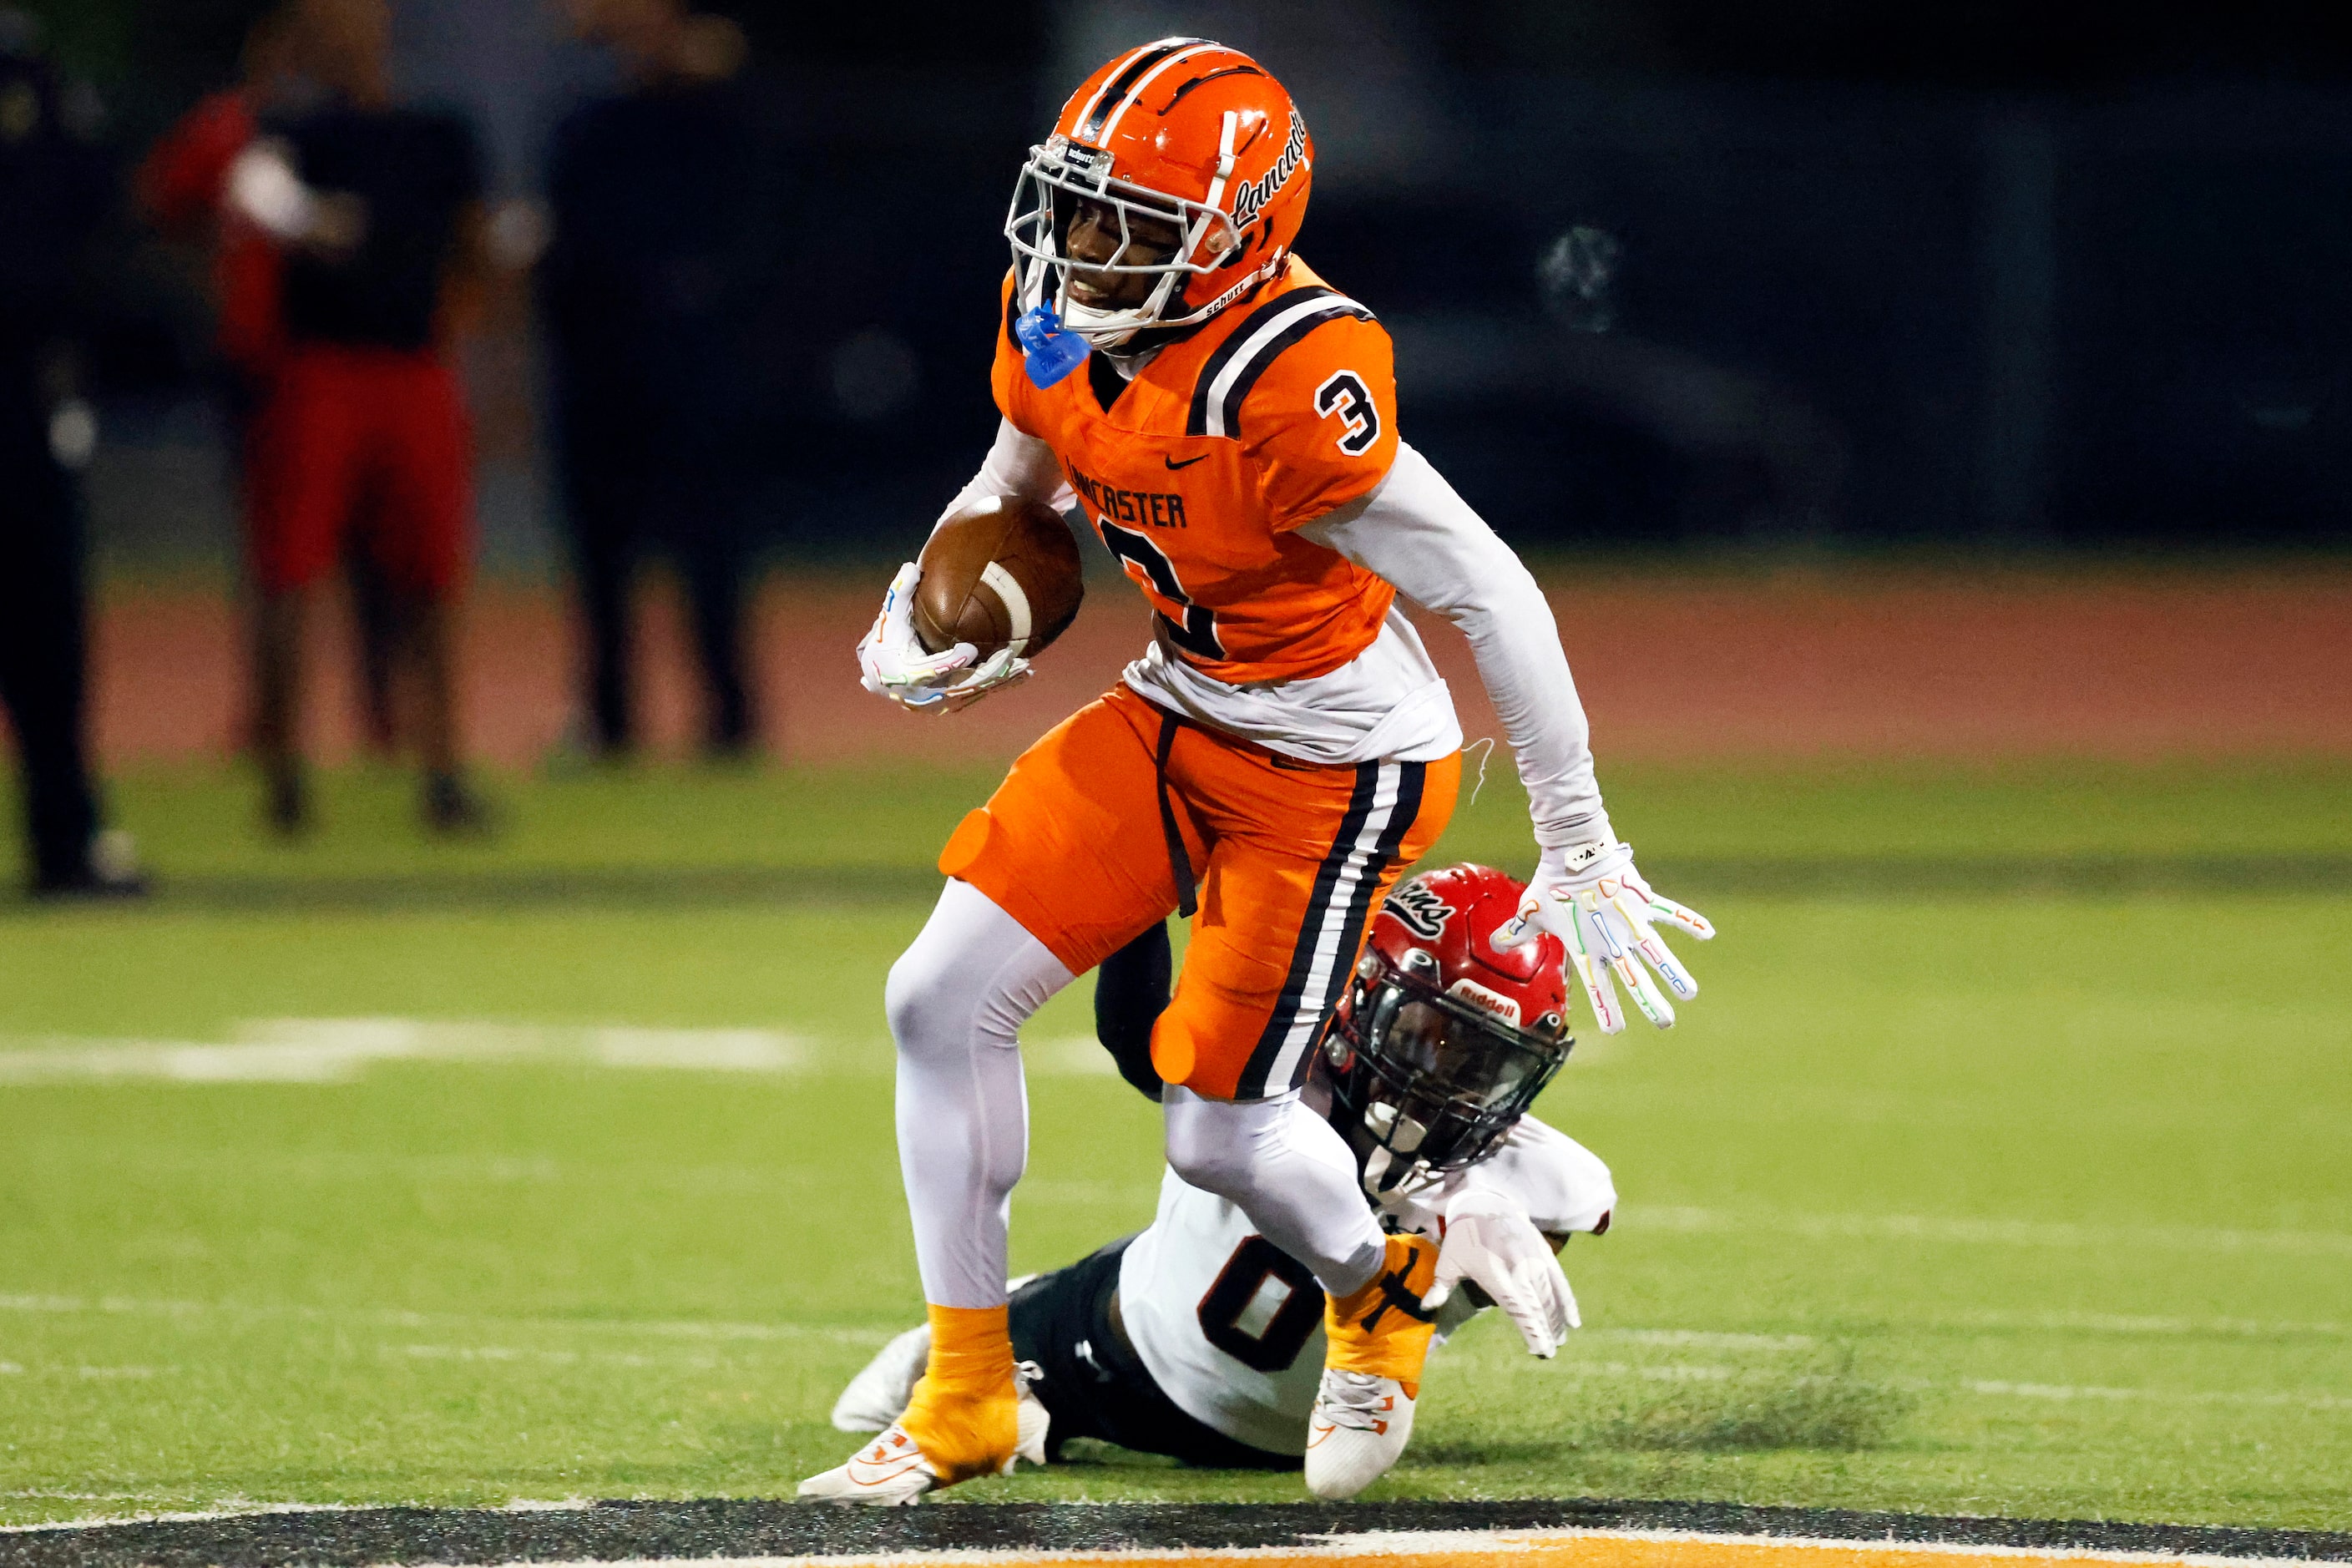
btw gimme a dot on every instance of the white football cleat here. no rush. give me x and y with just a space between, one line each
892 1470
889 1471
1361 1425
877 1396
1034 1418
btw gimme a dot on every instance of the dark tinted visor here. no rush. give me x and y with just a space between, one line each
1475 1059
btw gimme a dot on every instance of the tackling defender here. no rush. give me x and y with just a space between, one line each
1280 752
1197 1337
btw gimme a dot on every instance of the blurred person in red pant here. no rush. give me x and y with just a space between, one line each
181 187
377 210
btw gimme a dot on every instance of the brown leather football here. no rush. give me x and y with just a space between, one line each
1002 571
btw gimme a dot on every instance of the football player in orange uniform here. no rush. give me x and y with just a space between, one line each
1284 748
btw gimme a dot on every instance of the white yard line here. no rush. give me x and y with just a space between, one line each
338 1050
1654 1371
342 1051
546 1357
2296 1398
397 1318
2113 1323
1700 1338
2057 1233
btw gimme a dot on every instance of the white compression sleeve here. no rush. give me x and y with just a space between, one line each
1417 534
956 1000
1016 465
1288 1170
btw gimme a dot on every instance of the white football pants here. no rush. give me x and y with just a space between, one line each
956 1000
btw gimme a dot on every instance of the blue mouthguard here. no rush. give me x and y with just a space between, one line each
1049 353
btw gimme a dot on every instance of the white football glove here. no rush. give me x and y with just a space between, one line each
1489 1241
891 661
1592 900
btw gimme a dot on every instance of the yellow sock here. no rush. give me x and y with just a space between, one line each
1370 1332
964 1415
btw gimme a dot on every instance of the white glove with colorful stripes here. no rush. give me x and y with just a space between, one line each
1590 897
891 661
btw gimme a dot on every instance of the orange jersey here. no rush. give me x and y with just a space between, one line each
1196 473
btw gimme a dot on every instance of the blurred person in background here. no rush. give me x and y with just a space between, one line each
378 210
664 244
1760 456
183 186
57 187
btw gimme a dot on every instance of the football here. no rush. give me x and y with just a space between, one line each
1004 570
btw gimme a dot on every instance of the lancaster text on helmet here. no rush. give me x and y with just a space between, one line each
1253 194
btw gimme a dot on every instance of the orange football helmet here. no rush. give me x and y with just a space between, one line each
1190 138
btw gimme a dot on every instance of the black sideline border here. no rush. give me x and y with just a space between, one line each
609 1532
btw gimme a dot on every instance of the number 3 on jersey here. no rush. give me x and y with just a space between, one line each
1344 393
1190 626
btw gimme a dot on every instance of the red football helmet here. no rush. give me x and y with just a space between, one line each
1203 161
1441 1043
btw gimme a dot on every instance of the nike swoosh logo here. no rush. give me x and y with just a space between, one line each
1174 465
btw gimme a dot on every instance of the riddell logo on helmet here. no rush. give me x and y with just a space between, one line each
1485 1001
1254 195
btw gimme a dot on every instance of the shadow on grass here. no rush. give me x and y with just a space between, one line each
1832 1409
1824 1407
1435 1454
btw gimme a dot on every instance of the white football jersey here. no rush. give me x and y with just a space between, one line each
1231 1327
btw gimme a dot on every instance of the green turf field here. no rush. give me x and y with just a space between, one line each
2002 1167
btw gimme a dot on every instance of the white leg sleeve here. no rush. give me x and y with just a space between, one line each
1289 1170
957 999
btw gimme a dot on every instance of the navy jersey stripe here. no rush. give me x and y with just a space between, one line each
1198 422
1231 406
1253 1084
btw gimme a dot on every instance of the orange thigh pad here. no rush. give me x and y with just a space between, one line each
1294 861
1070 845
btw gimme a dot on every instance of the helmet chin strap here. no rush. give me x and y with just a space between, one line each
1103 329
1106 330
1395 1136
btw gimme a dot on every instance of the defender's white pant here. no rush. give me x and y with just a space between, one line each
956 1000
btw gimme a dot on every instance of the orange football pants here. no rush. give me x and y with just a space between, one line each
1294 858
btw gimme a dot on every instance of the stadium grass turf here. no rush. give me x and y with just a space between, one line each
2000 1169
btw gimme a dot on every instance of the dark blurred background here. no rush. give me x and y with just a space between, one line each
1677 273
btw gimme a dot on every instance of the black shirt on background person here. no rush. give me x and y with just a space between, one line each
668 246
414 173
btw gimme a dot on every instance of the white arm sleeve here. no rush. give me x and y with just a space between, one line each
1417 534
1016 465
1565 1186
